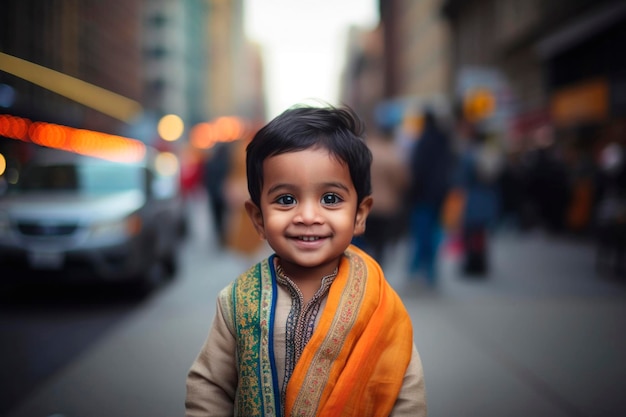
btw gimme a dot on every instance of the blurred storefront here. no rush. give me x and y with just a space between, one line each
561 57
534 74
566 76
586 71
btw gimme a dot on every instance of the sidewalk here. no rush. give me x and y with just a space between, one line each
542 336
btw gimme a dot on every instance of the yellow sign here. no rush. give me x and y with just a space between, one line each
479 104
584 102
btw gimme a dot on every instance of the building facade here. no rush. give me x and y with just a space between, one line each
560 60
401 66
96 42
188 58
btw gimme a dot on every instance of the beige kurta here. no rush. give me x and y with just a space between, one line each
212 379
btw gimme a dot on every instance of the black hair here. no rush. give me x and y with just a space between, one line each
339 130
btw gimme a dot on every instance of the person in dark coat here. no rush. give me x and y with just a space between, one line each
215 173
479 171
430 164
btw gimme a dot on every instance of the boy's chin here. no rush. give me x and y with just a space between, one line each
311 261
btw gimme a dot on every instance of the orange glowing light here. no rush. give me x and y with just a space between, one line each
201 135
479 104
223 129
3 164
229 128
13 127
81 141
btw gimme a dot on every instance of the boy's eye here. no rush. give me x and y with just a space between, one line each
331 198
286 200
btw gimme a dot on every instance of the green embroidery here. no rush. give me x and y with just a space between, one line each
251 306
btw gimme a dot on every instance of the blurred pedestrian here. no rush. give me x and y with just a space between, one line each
241 237
390 178
512 186
295 333
191 172
610 214
430 165
480 166
582 176
548 183
216 171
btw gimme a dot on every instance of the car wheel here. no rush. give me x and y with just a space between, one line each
150 280
170 264
183 228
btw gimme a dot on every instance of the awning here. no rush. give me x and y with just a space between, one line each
574 33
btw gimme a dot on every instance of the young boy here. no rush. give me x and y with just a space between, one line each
315 329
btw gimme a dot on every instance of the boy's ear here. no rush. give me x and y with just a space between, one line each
254 212
361 215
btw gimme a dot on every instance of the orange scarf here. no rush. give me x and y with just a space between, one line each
355 362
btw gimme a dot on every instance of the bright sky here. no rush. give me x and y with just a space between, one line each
304 45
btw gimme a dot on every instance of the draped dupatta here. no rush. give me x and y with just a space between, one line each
355 361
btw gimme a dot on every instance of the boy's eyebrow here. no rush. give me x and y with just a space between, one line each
337 185
280 186
277 187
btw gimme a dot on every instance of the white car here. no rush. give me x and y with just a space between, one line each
75 218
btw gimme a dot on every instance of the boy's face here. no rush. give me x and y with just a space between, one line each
309 211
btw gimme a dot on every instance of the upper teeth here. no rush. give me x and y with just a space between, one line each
309 238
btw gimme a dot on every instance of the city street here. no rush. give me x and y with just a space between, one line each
542 335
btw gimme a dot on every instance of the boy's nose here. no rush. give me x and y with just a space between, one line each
308 213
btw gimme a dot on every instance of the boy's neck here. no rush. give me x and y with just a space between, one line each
307 280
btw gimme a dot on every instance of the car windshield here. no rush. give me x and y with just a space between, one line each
83 178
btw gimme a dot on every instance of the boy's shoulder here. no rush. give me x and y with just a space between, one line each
252 276
246 290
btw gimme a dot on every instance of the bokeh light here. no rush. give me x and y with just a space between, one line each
166 164
171 127
81 141
3 164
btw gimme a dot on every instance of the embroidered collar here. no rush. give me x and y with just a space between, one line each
284 279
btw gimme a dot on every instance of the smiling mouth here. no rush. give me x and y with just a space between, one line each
308 238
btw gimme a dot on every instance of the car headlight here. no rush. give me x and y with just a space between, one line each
126 227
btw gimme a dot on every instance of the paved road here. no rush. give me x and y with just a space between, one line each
44 330
542 336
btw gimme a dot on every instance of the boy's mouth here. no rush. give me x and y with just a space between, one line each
308 238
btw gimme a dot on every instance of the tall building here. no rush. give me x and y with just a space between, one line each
174 50
235 62
189 58
416 42
403 65
362 84
92 41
